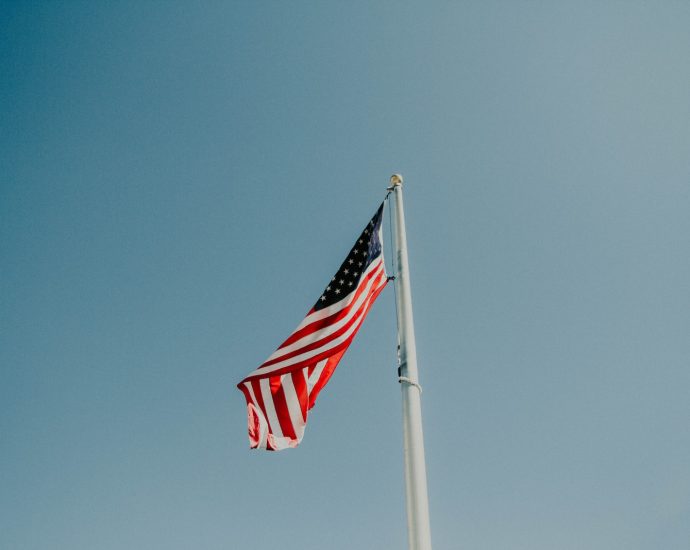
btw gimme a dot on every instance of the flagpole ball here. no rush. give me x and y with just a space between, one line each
396 179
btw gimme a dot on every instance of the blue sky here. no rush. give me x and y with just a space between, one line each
179 180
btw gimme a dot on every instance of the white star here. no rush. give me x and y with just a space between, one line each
356 251
346 271
340 282
349 284
323 298
328 287
351 261
361 241
359 264
337 291
356 273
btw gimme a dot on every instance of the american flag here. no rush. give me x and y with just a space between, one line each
284 388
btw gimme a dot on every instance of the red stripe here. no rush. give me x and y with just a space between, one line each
280 404
259 398
311 362
333 361
256 387
252 421
300 384
328 337
326 374
317 358
245 391
306 363
331 319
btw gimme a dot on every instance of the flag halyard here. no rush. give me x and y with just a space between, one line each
281 391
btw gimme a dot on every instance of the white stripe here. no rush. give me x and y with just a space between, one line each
273 421
325 347
315 375
328 346
381 242
280 443
293 406
322 333
355 313
263 424
335 308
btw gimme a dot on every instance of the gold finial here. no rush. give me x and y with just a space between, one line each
396 179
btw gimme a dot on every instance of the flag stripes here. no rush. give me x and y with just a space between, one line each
336 329
281 391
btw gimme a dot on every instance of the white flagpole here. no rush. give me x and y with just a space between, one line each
418 527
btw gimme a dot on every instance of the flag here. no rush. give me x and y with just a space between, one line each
284 388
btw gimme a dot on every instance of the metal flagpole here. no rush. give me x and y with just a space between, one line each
418 528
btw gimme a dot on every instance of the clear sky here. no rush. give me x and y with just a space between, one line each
180 179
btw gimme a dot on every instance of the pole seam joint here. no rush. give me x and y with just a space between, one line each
411 382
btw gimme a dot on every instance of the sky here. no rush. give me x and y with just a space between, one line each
179 180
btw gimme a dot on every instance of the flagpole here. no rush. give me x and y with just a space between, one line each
418 527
